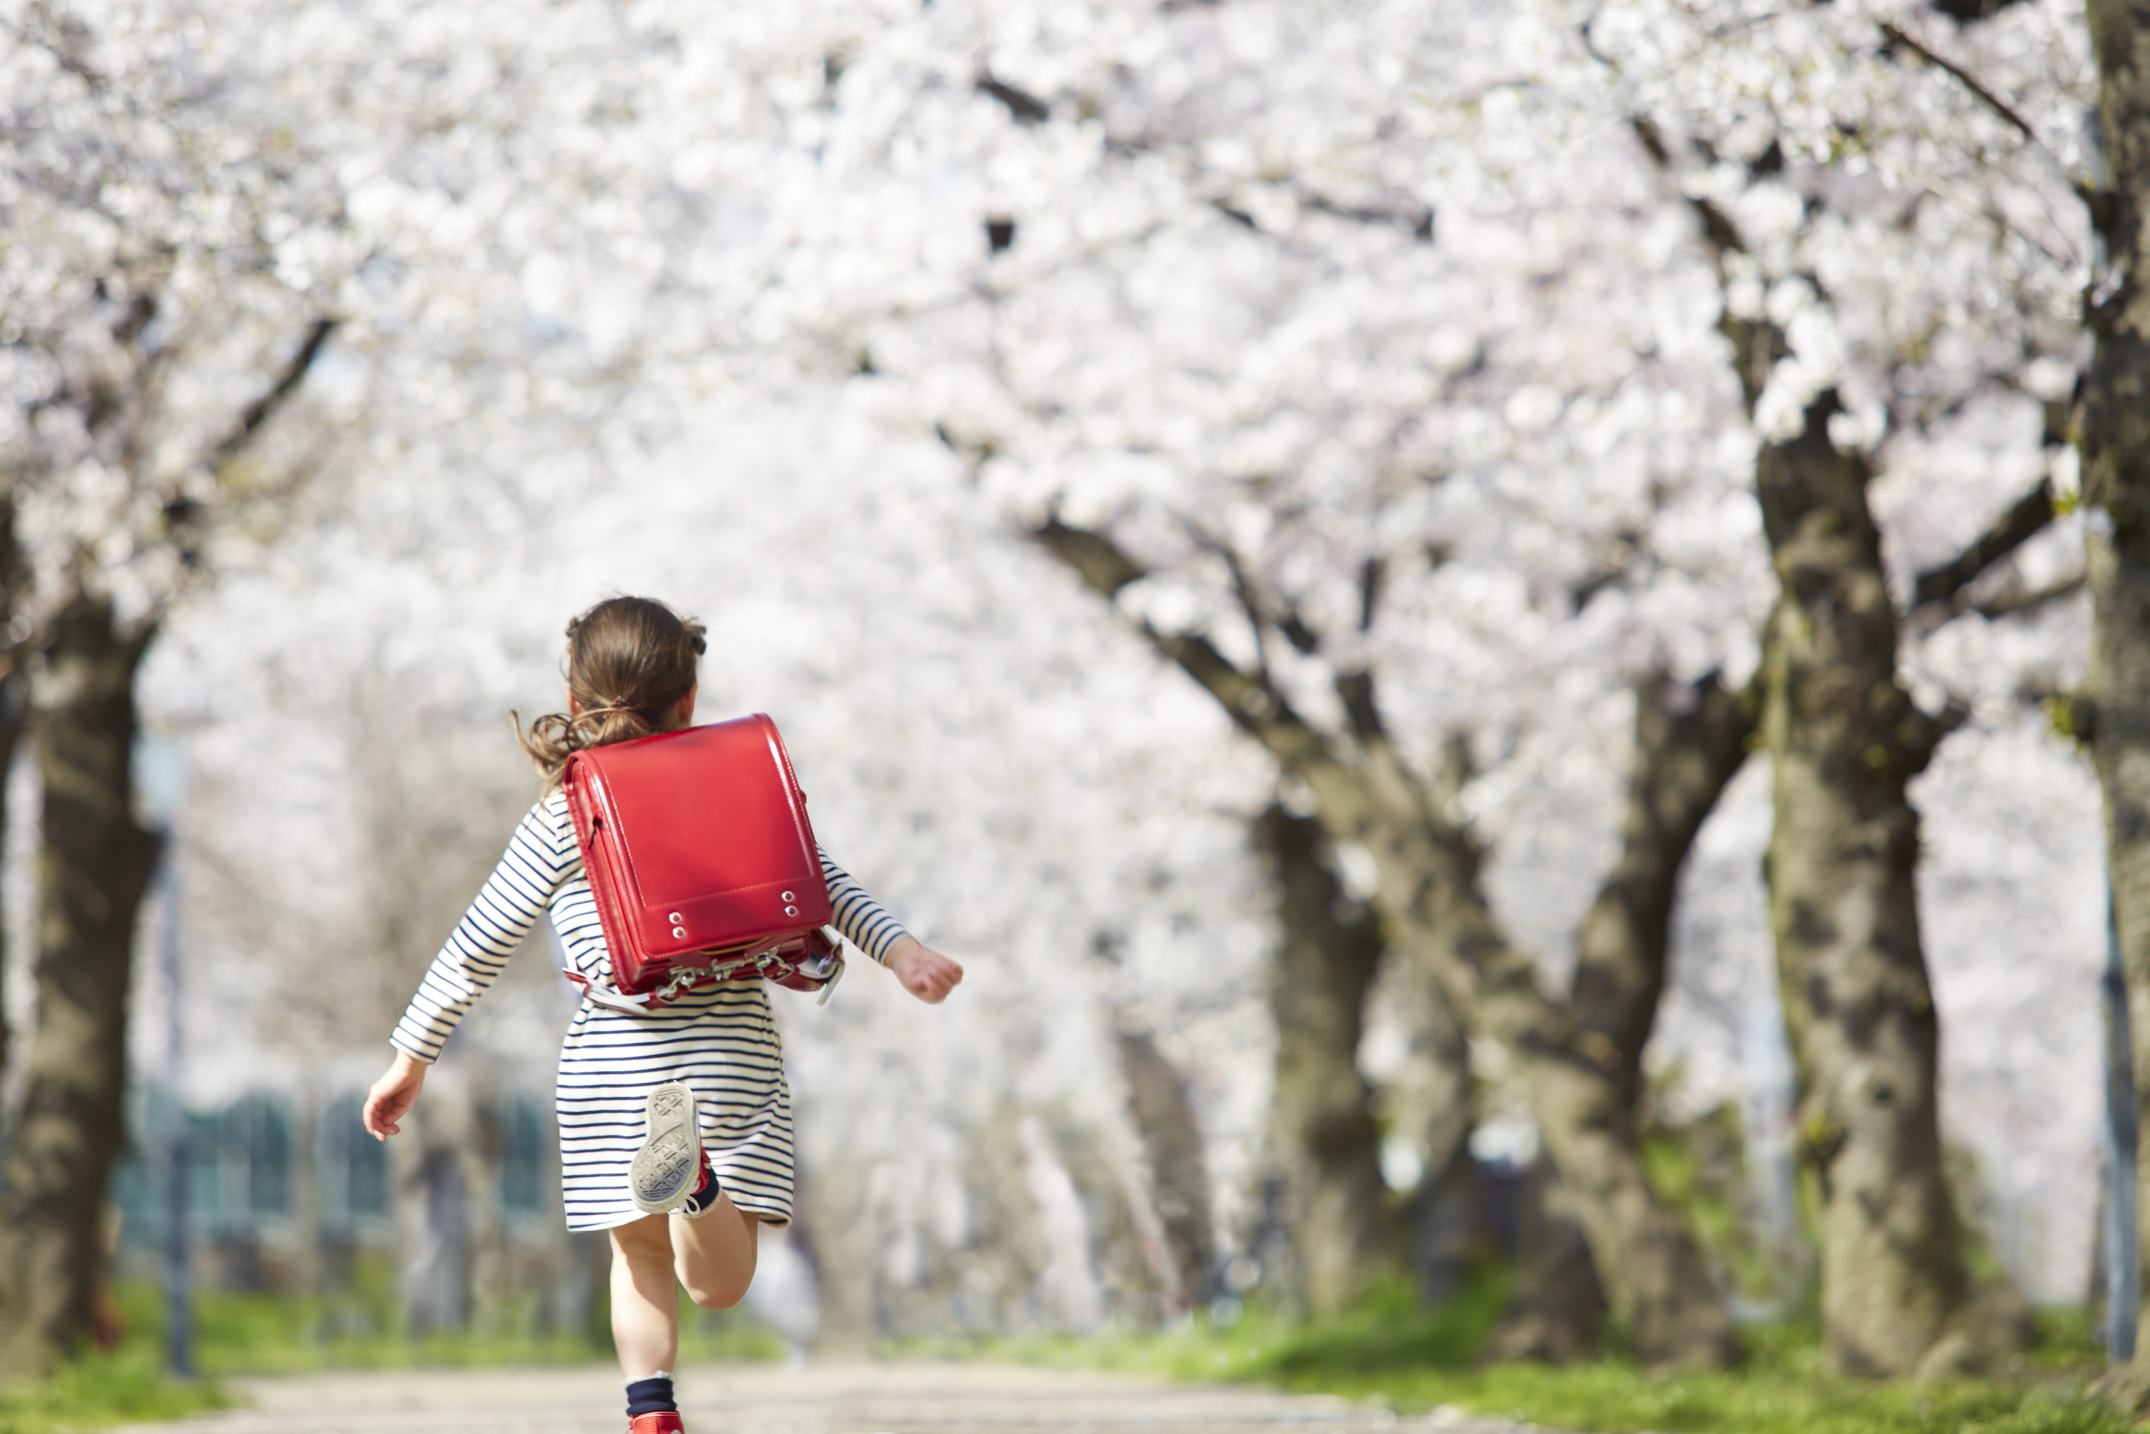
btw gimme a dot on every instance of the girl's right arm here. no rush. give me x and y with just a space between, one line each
393 1095
533 868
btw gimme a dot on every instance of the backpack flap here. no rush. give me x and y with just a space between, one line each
724 919
696 843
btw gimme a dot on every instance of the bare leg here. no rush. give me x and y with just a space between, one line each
645 1302
715 1254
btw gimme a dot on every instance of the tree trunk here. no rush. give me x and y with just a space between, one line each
14 709
1690 741
1845 739
14 706
1648 1263
2115 440
1558 1312
1435 912
1323 1141
1171 1138
1843 858
94 867
1436 919
431 1205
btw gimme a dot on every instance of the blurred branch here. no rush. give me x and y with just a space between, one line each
2010 603
1690 741
1894 36
1897 39
1026 108
1096 559
1416 218
1249 603
1930 730
1717 226
262 409
1247 698
1356 690
1372 574
58 35
1943 585
1757 344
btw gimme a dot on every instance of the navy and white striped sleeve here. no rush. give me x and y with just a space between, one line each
862 920
537 861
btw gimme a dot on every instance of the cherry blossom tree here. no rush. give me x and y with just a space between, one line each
1803 188
1285 531
152 341
1401 416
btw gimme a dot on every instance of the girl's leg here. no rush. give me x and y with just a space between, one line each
715 1255
645 1302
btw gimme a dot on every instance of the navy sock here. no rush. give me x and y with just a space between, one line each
705 1194
650 1396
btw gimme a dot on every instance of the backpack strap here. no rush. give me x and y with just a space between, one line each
633 1005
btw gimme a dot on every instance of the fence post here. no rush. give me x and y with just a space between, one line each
2123 1269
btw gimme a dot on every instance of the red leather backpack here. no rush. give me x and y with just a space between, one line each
698 850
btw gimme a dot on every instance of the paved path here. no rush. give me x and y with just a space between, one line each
820 1398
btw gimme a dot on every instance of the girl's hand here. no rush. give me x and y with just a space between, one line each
393 1095
924 972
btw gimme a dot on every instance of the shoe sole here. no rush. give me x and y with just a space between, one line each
667 1168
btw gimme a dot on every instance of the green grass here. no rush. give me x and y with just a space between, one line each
122 1386
361 1326
125 1386
1390 1352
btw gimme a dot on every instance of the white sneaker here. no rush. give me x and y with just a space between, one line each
668 1168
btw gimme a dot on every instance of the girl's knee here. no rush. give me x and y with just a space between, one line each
715 1294
645 1242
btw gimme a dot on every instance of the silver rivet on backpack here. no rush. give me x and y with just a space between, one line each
679 931
790 896
676 919
791 911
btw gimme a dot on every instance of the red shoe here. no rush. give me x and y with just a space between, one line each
663 1422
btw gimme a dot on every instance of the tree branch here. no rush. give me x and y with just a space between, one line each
1757 344
1251 702
1095 558
1926 731
262 409
1430 898
1690 741
1417 219
1355 689
2021 523
1896 37
1026 108
1372 573
2013 603
1249 605
1717 226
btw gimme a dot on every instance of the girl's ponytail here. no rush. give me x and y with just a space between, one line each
629 663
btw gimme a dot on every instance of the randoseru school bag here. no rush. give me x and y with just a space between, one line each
704 868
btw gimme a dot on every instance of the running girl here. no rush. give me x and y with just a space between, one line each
675 1124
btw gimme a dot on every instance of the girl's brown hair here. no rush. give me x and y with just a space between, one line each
629 662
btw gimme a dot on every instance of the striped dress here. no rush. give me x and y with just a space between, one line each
719 1039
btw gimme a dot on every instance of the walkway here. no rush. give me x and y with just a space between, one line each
820 1398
